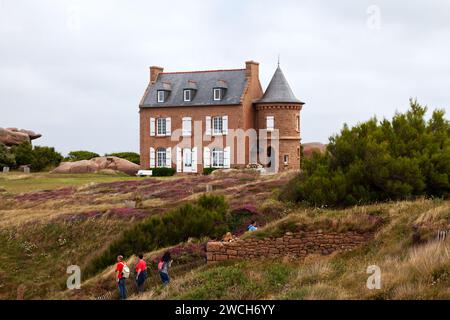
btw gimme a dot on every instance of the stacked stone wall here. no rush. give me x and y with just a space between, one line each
297 245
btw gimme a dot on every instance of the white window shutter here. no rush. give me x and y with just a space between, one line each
152 157
225 125
194 159
152 126
206 157
169 157
226 157
168 127
179 162
208 126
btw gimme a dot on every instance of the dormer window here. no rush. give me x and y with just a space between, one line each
217 94
187 95
161 95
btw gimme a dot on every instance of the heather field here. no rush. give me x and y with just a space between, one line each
413 264
45 230
57 220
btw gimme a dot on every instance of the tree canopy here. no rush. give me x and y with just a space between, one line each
378 161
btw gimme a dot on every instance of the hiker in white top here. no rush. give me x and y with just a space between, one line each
163 268
122 273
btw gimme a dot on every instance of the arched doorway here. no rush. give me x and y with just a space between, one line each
271 159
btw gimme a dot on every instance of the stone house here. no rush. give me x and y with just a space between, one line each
219 118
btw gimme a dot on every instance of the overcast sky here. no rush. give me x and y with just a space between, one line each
76 70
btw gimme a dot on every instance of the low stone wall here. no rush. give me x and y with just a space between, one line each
297 245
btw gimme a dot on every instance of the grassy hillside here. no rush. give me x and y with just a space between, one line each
411 269
66 220
420 271
45 231
17 182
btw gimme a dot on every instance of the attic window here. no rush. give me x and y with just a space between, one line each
187 95
217 94
161 96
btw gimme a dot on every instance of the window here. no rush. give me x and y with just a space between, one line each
217 158
161 157
298 152
297 118
270 123
186 126
217 123
161 96
217 94
187 95
286 159
161 126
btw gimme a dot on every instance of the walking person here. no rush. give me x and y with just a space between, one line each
141 273
163 268
122 272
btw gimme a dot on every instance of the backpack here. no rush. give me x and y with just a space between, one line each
125 271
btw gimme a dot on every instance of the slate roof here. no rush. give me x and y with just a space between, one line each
279 90
234 81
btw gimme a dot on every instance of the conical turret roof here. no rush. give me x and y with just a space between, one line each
279 90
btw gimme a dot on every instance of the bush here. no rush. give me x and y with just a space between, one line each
130 156
200 219
163 172
81 155
39 158
208 171
7 158
45 158
23 154
379 161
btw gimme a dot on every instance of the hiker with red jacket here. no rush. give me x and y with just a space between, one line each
122 272
141 273
163 268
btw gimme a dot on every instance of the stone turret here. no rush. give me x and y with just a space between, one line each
279 109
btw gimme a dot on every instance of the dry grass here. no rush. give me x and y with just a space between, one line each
408 271
40 212
363 219
16 182
52 229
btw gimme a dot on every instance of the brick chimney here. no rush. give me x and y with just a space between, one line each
154 71
252 69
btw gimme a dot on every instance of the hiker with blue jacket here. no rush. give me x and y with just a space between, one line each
252 226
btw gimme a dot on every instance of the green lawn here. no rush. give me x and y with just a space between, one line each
17 182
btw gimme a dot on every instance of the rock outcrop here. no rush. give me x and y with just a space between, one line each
98 164
13 136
